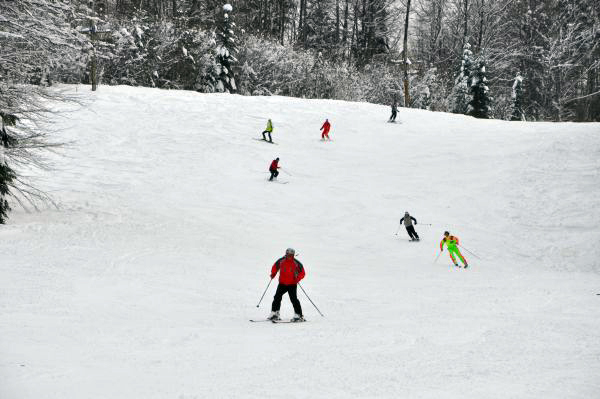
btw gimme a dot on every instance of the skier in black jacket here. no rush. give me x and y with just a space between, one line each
407 219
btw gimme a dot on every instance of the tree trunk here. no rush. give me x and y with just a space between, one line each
337 21
405 58
302 20
345 33
480 25
282 21
466 27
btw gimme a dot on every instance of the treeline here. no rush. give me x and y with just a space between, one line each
522 59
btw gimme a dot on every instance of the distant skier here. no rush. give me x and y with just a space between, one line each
291 271
325 128
273 169
394 112
268 131
452 243
410 229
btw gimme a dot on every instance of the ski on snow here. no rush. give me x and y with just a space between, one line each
288 321
276 321
266 141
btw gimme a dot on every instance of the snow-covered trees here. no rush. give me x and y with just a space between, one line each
7 175
37 43
480 104
226 50
190 44
460 96
517 97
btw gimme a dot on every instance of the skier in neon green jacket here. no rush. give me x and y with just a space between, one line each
452 243
268 130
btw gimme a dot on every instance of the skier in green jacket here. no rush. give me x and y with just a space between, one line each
268 130
452 244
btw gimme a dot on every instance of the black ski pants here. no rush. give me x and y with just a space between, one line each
393 116
411 232
274 173
269 133
291 290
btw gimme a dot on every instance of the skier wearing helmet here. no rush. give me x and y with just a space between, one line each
452 243
410 229
291 272
268 130
273 169
325 128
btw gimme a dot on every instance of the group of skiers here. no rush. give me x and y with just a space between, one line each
291 271
452 242
269 130
275 163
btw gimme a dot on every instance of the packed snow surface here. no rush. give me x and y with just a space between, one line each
141 284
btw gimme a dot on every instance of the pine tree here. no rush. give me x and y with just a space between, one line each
517 96
226 53
7 175
479 106
460 92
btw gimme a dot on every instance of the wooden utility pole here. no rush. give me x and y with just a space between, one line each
405 57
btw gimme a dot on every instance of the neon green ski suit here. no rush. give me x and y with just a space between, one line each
269 127
452 243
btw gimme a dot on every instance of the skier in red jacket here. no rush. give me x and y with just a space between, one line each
291 272
325 128
273 168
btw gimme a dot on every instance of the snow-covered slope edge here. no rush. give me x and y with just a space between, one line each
141 285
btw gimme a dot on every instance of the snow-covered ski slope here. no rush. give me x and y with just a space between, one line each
141 285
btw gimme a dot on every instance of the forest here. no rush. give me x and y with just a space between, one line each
532 60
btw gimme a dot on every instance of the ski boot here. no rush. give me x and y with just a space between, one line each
274 316
297 318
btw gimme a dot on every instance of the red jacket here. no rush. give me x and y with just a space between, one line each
274 165
290 270
325 127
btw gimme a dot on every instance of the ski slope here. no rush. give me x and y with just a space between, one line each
141 284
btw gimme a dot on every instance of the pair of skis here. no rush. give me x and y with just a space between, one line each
277 321
266 141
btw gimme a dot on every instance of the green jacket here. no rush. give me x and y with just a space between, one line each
269 127
451 242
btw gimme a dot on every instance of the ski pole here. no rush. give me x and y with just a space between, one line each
469 251
398 231
286 172
437 257
424 224
263 295
310 300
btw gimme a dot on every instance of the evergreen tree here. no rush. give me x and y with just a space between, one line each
517 96
462 84
226 53
479 106
7 175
